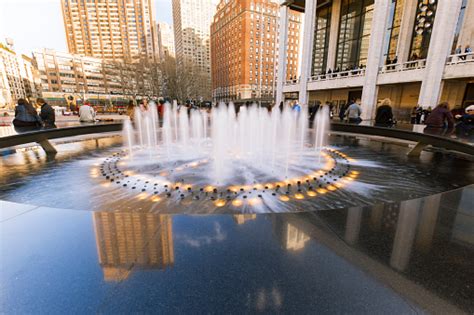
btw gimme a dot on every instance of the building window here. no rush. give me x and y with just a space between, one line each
459 25
354 33
321 39
393 30
425 15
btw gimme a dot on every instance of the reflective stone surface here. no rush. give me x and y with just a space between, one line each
398 258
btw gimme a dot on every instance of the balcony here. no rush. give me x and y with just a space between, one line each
410 71
459 66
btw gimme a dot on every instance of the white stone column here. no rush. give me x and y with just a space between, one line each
353 222
307 54
406 30
282 53
466 36
405 233
374 58
333 34
441 41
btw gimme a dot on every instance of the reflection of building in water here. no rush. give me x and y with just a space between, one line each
242 218
290 237
126 240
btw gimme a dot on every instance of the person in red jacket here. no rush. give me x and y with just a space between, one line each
440 121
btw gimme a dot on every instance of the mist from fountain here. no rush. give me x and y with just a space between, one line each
254 141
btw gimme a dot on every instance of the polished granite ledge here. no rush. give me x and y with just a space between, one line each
415 256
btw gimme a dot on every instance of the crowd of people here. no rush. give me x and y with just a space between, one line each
439 121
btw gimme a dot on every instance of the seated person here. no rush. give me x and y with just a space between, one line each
466 126
86 113
384 115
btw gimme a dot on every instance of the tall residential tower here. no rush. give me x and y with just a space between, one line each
111 29
192 22
165 40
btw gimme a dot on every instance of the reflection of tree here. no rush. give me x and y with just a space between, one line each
127 240
290 237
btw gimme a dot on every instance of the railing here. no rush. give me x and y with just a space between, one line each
292 81
420 138
406 66
460 58
42 137
337 75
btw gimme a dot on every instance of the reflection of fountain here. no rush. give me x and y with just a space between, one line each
127 240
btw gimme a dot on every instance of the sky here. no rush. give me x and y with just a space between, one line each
35 24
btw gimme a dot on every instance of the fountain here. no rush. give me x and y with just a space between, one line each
271 146
231 159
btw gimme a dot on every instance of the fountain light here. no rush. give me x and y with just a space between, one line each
209 188
299 196
321 191
311 193
331 188
254 201
219 203
237 202
284 198
156 199
142 195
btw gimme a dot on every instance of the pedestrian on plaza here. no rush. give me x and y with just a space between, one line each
86 113
47 114
26 117
131 110
466 126
413 115
440 120
384 114
313 111
353 113
161 108
144 105
468 49
458 51
342 111
296 107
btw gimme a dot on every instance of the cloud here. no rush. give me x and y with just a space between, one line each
199 241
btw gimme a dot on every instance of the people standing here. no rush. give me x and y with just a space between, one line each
86 113
313 111
296 107
26 117
384 114
47 114
353 113
131 110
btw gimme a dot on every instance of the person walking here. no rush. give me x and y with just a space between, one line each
86 113
47 114
26 117
131 110
353 113
440 120
384 114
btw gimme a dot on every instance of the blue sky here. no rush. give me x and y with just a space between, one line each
36 24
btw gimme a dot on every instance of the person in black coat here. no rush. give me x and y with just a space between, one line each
47 114
384 115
